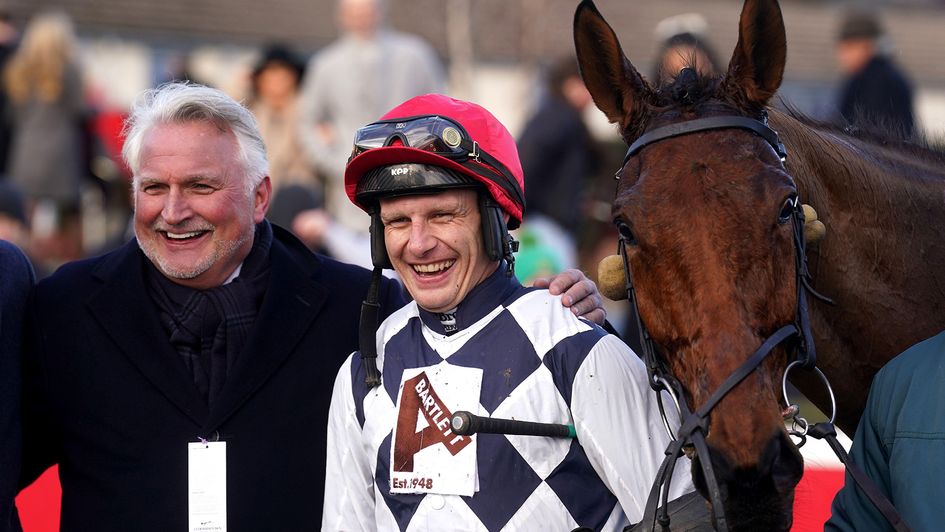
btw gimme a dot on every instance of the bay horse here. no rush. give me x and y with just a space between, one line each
703 224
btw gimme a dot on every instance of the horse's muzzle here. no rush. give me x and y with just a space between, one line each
758 497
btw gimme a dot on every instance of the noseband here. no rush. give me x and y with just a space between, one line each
695 424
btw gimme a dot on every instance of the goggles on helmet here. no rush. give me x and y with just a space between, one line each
441 136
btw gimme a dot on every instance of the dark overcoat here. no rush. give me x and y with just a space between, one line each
109 400
16 278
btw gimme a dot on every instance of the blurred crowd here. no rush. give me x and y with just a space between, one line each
64 193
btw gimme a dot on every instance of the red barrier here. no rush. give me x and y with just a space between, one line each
39 504
813 496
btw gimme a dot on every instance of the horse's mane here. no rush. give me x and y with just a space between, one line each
886 137
883 162
688 89
871 167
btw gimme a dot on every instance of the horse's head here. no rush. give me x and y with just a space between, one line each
706 221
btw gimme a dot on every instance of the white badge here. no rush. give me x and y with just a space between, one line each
206 486
426 457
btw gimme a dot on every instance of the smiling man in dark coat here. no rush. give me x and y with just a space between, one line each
212 325
182 382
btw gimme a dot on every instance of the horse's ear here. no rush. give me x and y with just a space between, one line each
757 66
617 87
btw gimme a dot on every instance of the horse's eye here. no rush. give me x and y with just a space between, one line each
787 209
626 234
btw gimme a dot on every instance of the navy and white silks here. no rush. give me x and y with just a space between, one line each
539 363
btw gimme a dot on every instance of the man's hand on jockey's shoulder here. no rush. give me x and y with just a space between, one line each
580 294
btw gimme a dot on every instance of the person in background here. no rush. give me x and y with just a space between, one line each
900 444
875 93
290 209
46 95
212 338
9 39
276 79
559 158
15 282
683 43
474 339
14 226
369 69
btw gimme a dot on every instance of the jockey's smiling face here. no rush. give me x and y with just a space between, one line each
435 245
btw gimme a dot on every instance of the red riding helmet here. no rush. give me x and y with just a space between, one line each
440 131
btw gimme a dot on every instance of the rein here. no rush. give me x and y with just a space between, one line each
695 425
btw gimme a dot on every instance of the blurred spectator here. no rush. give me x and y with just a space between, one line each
45 89
274 101
684 44
179 66
875 93
291 208
559 159
368 70
534 259
13 223
8 42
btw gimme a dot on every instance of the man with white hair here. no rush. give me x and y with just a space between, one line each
182 382
211 326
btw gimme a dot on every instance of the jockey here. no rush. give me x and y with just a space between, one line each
442 182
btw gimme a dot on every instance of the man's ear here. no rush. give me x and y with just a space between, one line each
261 199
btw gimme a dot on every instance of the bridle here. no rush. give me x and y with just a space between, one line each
695 425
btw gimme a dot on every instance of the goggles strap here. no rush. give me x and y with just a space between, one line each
508 184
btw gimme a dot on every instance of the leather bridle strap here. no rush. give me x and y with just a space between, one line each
759 127
826 431
695 427
654 366
743 371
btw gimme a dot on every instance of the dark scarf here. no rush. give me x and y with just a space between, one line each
209 328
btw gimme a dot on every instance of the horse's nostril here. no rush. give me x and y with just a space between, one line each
756 497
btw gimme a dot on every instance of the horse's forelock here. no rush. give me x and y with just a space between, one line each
687 89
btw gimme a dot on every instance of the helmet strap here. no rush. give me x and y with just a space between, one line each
367 331
379 256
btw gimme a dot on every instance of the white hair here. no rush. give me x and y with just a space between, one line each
176 103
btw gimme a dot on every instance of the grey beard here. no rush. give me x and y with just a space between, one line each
221 249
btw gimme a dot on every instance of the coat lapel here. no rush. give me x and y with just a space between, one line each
123 308
290 306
